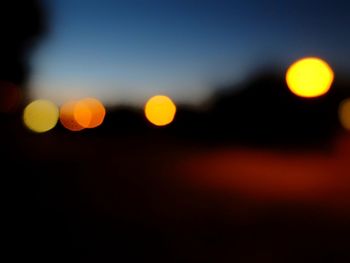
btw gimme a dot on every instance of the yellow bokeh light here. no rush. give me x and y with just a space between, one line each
309 77
41 116
160 110
67 116
344 113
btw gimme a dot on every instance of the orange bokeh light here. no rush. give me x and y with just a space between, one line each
67 116
89 113
344 114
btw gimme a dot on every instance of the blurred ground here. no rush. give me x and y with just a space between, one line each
163 199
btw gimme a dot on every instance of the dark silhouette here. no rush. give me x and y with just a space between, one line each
21 25
263 112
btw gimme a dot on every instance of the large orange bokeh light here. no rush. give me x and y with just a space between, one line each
309 77
89 113
67 116
160 110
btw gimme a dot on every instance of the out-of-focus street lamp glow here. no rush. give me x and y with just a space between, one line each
41 116
67 116
89 113
160 110
344 114
309 77
82 114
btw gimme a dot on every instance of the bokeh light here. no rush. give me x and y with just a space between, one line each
10 97
82 114
67 116
41 116
309 77
89 113
344 113
160 110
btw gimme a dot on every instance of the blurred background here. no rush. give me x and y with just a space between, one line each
178 131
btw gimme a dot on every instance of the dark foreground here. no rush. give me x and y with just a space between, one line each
121 199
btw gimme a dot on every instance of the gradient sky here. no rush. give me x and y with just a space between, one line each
125 51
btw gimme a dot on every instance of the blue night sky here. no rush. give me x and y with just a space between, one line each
126 51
